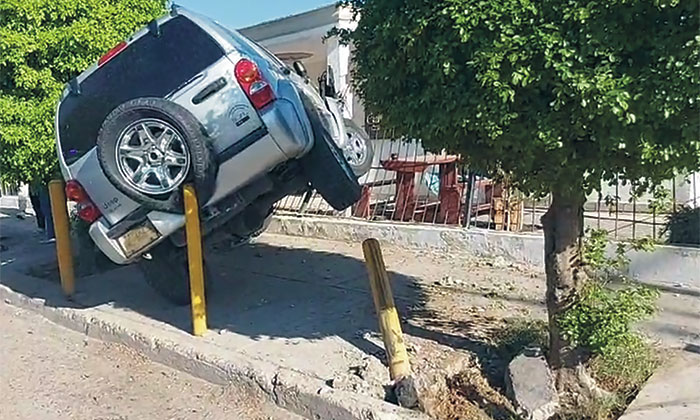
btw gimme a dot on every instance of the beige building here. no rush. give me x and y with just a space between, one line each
303 37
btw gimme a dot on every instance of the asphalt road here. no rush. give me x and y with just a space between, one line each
49 372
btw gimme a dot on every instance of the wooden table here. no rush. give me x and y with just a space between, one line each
450 190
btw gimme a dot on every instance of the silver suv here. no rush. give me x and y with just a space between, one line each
186 100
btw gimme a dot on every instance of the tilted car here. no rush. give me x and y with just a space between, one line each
186 100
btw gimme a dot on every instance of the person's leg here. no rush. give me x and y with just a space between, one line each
38 211
46 204
22 194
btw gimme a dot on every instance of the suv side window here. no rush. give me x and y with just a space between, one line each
151 66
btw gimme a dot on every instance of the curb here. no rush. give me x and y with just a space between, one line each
516 248
299 393
662 267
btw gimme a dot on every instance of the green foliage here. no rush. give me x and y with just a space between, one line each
604 316
625 365
601 322
621 360
43 44
661 200
683 226
560 94
595 255
595 246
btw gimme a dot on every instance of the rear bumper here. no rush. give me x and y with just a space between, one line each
165 224
109 247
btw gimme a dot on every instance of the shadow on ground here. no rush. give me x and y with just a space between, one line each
295 305
259 291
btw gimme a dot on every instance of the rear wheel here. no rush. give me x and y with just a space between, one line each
166 270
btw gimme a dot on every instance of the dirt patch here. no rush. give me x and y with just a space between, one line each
471 389
467 373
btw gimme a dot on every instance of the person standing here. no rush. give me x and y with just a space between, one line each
21 202
34 190
45 204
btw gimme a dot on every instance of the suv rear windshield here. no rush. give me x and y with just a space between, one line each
152 66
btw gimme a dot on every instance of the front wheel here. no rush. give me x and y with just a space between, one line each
328 171
358 150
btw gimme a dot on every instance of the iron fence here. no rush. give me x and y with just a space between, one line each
8 188
408 184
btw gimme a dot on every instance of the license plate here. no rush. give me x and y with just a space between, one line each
138 238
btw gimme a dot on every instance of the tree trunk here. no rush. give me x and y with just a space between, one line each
563 231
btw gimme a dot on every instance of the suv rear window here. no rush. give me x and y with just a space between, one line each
152 66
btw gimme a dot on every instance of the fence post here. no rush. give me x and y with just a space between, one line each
469 199
389 326
195 262
64 254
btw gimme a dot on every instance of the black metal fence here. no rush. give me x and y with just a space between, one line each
473 201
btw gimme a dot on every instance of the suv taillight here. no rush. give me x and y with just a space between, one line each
111 53
87 210
255 87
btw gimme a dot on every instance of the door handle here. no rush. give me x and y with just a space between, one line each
209 90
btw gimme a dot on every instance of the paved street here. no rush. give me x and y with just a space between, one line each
49 372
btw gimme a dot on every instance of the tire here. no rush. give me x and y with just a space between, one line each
167 272
328 171
194 161
359 151
263 225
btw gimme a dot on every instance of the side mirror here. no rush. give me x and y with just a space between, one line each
300 69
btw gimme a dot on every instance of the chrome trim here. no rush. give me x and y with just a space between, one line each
152 156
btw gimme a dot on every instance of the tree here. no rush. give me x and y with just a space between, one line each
559 94
43 44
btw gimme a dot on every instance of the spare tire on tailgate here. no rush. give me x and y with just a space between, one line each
149 147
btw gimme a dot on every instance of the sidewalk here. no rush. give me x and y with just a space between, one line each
294 315
265 332
672 392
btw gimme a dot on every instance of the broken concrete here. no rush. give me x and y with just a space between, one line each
363 378
530 384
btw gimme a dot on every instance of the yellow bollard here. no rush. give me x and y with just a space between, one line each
389 325
194 259
59 213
